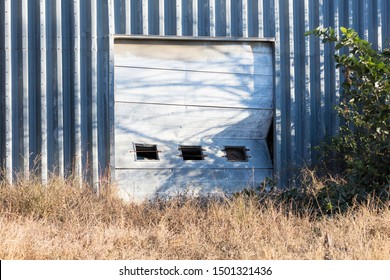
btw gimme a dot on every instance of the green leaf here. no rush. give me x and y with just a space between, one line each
338 46
310 32
343 29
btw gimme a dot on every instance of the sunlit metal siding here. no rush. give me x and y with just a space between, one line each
54 87
2 85
55 71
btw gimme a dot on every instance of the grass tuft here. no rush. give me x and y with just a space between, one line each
62 220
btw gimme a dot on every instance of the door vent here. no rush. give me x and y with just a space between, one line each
192 153
236 153
146 152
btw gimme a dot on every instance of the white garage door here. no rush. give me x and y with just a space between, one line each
191 115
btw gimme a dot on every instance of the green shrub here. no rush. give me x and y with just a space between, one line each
362 147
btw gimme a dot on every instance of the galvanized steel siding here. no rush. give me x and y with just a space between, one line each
54 87
55 70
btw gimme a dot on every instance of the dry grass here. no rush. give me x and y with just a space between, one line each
61 221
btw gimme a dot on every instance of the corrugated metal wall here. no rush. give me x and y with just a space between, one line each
54 86
55 70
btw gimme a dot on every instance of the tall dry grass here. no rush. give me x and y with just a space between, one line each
63 221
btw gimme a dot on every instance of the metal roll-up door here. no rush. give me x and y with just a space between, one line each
191 115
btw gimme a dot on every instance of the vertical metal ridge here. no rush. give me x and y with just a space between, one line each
203 18
365 13
135 16
343 22
179 20
364 21
161 26
350 12
18 86
212 18
380 23
76 91
320 100
127 17
244 9
315 80
8 91
253 18
344 14
260 18
186 15
94 98
102 121
170 18
50 70
228 18
335 76
236 18
34 86
269 18
284 89
145 17
329 68
43 91
277 101
2 88
26 107
17 110
337 72
105 93
153 17
195 26
385 24
120 15
85 80
290 106
308 93
60 97
357 17
67 85
111 89
373 23
299 117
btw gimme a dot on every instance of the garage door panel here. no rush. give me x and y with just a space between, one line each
169 153
234 67
170 132
173 93
262 49
169 48
139 185
123 109
190 51
237 59
145 114
261 98
209 126
129 76
183 121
